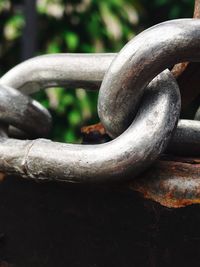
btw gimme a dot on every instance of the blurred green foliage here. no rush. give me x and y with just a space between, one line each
79 26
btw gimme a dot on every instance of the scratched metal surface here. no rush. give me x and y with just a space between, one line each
19 110
139 61
152 129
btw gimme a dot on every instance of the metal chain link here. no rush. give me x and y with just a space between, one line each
43 159
126 98
71 70
86 71
142 58
25 114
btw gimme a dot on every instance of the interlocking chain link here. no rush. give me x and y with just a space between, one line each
139 105
86 71
21 111
144 57
132 152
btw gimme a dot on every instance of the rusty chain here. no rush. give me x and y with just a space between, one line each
139 104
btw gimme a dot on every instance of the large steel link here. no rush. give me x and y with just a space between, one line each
126 84
186 140
144 57
73 70
24 113
87 71
132 152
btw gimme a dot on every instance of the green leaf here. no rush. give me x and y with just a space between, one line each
74 117
13 27
71 40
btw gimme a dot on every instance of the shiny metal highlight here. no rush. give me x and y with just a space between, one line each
132 152
84 70
73 70
144 57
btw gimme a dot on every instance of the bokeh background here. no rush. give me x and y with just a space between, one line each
29 28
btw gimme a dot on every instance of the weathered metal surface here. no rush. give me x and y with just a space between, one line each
64 69
146 138
186 139
173 183
94 134
48 221
144 57
24 113
152 129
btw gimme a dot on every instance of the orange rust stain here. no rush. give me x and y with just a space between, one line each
179 69
2 176
93 128
166 200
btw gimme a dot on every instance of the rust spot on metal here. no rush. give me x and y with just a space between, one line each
197 9
167 199
93 128
178 69
94 134
2 177
173 183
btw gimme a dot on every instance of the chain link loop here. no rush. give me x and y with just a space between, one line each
81 70
24 113
152 129
72 70
144 57
128 96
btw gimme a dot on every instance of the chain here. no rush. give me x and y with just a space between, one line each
138 63
139 105
21 111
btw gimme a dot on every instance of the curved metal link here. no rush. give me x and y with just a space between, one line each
151 129
85 70
144 57
186 140
24 113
